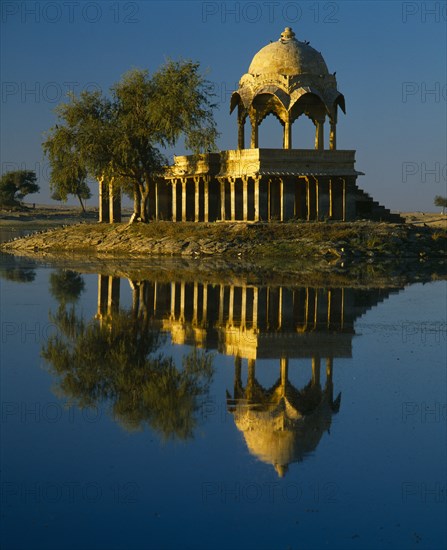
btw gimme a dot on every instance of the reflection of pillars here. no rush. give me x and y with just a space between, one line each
232 198
255 308
254 132
174 200
245 198
182 301
103 285
315 308
205 303
319 135
196 199
287 141
251 372
333 136
221 303
183 199
342 309
222 199
113 299
206 199
306 309
284 365
172 300
316 371
243 306
256 197
237 374
329 300
329 382
231 305
195 302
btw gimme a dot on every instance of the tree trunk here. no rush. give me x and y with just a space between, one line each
81 203
143 207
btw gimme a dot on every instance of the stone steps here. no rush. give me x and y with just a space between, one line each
370 209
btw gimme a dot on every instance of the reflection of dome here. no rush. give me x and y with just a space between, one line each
282 436
289 57
281 425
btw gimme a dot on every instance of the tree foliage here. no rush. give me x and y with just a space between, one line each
441 201
66 285
15 185
120 136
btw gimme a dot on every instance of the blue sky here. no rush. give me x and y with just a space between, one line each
390 59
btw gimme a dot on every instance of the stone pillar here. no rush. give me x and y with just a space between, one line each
281 199
174 200
206 199
245 197
287 141
308 199
323 198
103 193
222 199
319 135
240 133
196 199
183 199
333 137
331 200
232 198
256 197
254 132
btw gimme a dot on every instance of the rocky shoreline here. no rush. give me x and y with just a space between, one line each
289 241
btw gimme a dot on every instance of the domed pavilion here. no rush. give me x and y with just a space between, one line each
288 79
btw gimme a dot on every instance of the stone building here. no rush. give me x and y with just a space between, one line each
289 79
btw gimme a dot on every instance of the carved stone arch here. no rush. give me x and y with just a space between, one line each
265 103
310 104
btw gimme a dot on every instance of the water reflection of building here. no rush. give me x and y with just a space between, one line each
281 424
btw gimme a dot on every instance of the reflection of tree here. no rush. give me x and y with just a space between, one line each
115 361
12 269
66 286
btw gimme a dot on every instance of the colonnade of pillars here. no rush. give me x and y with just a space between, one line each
266 309
287 135
268 198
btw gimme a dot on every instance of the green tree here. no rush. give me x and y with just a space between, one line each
119 137
442 202
15 185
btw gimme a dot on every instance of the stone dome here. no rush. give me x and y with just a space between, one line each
288 56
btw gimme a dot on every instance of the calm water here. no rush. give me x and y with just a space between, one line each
181 412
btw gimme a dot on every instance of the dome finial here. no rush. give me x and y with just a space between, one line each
287 35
